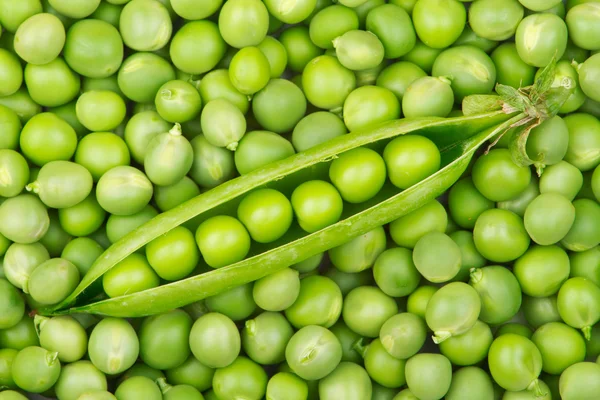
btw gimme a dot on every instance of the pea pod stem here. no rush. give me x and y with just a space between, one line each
458 138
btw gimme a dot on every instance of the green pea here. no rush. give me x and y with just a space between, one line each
358 50
562 178
584 132
174 255
164 339
11 128
13 306
299 47
542 270
15 13
560 346
53 280
428 97
77 378
214 340
22 105
243 23
407 230
212 165
499 291
359 253
132 274
348 380
138 387
140 369
410 159
192 372
100 110
313 352
154 33
540 310
370 105
243 378
394 28
395 272
577 302
237 303
348 339
46 138
319 302
249 70
118 226
584 233
278 291
437 257
142 74
366 309
317 204
279 106
222 240
516 328
123 190
6 359
23 219
21 259
265 338
62 184
178 101
108 12
495 20
330 23
14 173
470 383
422 56
470 347
399 76
216 84
358 174
269 145
428 376
168 197
56 238
98 152
519 204
52 84
580 380
469 38
581 21
108 83
40 38
19 336
64 335
439 24
547 143
97 394
35 369
140 130
223 124
113 346
583 264
327 83
510 69
197 47
316 128
539 52
500 235
515 363
382 367
470 257
285 385
403 335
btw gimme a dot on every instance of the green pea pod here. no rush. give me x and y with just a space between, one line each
579 304
457 138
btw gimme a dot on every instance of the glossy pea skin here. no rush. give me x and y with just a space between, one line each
313 352
214 340
100 110
154 33
21 104
366 309
23 219
347 281
98 152
242 379
140 369
52 84
132 274
399 76
181 391
299 47
169 157
584 141
359 50
178 101
216 84
542 270
118 226
62 184
358 174
6 358
223 124
259 148
470 38
123 190
15 13
548 218
359 253
410 159
164 339
222 240
140 130
348 380
35 369
319 302
547 144
276 55
56 238
466 203
562 178
540 310
138 387
395 272
249 70
173 255
560 346
496 20
394 28
113 346
236 303
499 292
422 55
437 257
13 306
327 83
278 291
439 23
515 362
316 128
348 339
77 378
197 47
584 233
370 105
588 77
579 381
212 165
265 338
582 22
500 236
330 23
46 138
291 14
12 128
168 197
382 367
19 336
428 376
428 97
539 37
142 74
470 383
472 71
403 335
191 372
20 260
470 347
14 173
107 54
516 328
510 69
584 264
407 230
243 22
40 38
279 106
577 302
53 280
285 385
317 204
65 335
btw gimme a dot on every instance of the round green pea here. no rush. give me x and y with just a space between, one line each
500 235
113 346
410 159
264 338
437 257
366 309
222 240
214 340
499 292
124 190
40 38
319 302
197 47
395 272
259 148
132 274
470 347
542 270
23 219
99 152
63 334
278 291
243 23
428 376
515 362
532 48
142 74
470 383
577 302
313 352
164 339
35 369
62 184
403 335
580 380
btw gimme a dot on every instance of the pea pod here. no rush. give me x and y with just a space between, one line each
469 132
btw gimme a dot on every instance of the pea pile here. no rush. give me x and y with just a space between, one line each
113 112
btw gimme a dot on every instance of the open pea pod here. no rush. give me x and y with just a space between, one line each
457 138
